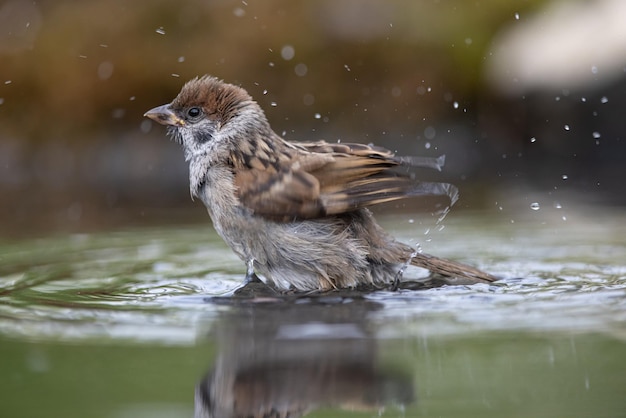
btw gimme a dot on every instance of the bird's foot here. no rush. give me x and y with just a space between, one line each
395 285
251 276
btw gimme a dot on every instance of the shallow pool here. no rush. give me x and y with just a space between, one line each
142 323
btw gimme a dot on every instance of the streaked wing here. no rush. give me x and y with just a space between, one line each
318 179
280 195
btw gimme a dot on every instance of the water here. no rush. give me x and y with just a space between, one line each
133 323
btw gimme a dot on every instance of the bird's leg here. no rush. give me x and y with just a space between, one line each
251 276
396 280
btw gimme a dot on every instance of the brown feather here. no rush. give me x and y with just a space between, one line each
319 179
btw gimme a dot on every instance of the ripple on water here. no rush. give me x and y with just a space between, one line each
153 284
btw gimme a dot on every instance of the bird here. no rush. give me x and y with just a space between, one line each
297 213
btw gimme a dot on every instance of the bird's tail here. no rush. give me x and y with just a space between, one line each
450 268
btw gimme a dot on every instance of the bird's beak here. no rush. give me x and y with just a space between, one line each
164 116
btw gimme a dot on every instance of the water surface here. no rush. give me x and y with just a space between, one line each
133 323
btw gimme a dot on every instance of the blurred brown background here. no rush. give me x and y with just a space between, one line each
524 95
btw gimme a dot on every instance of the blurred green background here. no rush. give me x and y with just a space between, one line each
524 95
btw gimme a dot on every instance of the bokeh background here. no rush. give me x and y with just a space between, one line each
525 98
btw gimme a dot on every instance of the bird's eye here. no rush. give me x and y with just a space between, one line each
194 112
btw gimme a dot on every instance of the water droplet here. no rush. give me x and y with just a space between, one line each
516 16
175 75
118 113
287 52
594 69
427 145
274 104
271 64
534 206
533 139
596 135
301 69
8 82
411 221
145 126
105 70
318 116
181 59
430 132
264 92
557 205
604 99
160 30
583 99
346 67
239 12
566 127
455 105
564 217
564 176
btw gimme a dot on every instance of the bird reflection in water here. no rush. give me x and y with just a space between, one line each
288 358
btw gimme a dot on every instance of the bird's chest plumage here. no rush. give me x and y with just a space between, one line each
248 235
234 223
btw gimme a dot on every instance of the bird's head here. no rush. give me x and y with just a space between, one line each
207 112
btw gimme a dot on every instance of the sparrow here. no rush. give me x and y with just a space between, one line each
297 213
